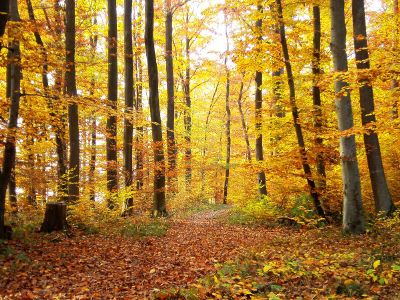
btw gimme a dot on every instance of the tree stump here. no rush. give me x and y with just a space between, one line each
54 217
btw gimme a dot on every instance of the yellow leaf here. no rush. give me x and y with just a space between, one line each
152 271
376 264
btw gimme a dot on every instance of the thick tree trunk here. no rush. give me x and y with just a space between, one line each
262 188
9 148
129 96
316 70
55 217
171 144
159 163
383 199
228 117
295 114
353 215
243 122
70 89
111 140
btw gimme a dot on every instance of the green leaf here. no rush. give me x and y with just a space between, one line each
396 268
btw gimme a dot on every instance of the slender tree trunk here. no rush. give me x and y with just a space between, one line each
262 188
295 114
15 81
129 96
204 151
243 122
316 70
139 144
159 163
56 108
31 165
93 127
92 162
188 113
111 140
395 82
70 88
228 117
353 216
171 144
383 199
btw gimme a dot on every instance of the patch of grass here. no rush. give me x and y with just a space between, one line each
154 228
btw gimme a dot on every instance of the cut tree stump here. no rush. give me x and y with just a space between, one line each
54 217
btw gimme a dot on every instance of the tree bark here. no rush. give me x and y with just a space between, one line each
139 145
295 114
353 216
228 117
171 144
55 217
188 113
111 140
129 96
159 163
262 188
9 148
70 89
383 199
318 122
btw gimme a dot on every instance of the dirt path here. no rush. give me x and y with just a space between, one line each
97 267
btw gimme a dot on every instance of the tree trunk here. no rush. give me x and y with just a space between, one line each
353 216
228 117
139 145
70 88
383 199
188 113
111 140
171 144
129 96
204 151
92 162
9 148
295 114
316 70
93 127
55 217
243 122
262 188
159 163
57 114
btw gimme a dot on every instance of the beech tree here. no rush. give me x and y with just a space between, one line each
14 80
262 188
129 96
156 129
111 140
353 215
70 90
383 199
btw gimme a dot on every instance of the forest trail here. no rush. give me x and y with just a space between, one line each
96 266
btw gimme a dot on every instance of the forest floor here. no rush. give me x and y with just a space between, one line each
201 257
